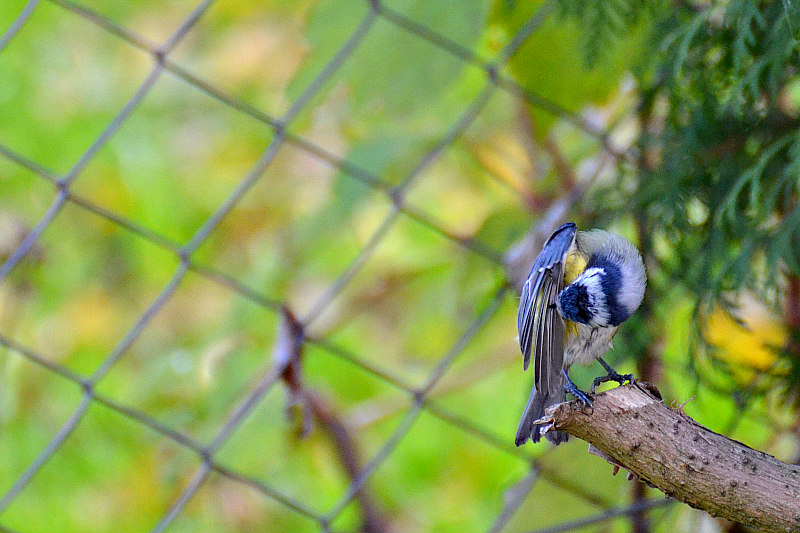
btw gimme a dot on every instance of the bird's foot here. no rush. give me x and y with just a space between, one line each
612 376
571 388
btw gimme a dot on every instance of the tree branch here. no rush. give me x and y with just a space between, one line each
288 351
633 428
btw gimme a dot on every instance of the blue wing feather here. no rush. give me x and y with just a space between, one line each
540 329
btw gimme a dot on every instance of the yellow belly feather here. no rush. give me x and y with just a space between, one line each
573 266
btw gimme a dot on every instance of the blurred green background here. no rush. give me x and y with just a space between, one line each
428 272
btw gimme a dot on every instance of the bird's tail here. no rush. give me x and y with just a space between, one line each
537 403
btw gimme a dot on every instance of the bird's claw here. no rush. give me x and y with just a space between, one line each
579 394
612 376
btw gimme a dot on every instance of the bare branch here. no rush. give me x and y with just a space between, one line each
374 521
633 428
513 499
519 258
289 351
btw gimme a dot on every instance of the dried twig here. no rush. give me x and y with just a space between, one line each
288 348
634 429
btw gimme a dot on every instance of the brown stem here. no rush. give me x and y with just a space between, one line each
289 347
648 368
519 258
530 133
560 163
639 519
792 314
346 447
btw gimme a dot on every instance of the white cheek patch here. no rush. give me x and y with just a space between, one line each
590 278
598 308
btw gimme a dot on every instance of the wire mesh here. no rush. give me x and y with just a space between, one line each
396 194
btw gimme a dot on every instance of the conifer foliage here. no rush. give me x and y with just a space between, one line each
716 184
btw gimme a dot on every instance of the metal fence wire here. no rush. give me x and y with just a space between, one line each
296 330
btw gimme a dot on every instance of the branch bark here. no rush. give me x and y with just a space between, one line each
633 428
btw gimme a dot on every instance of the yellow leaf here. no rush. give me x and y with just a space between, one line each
753 341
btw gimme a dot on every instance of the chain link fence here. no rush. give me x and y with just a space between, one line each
304 329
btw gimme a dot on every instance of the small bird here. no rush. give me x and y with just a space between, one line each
582 286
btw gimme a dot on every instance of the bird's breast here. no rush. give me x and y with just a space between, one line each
584 344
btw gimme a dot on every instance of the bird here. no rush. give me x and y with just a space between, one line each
581 287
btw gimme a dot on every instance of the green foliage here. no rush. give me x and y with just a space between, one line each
724 193
575 70
605 23
716 187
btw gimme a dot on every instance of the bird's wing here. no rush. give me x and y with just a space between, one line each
540 327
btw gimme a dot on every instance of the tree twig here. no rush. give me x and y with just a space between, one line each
289 350
374 521
519 257
633 428
513 500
